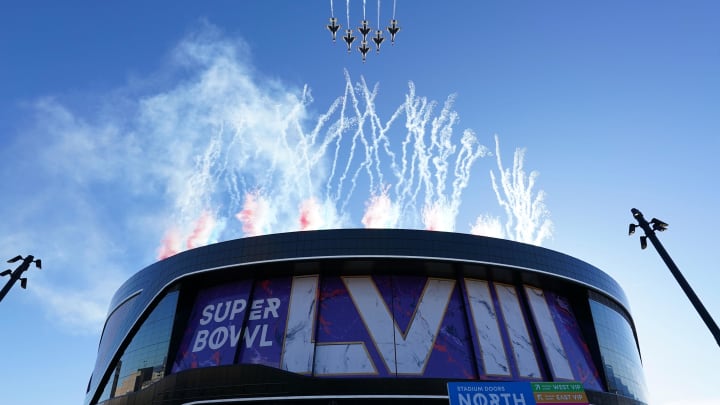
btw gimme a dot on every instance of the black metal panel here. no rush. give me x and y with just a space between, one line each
228 383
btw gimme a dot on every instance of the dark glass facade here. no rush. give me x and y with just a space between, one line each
619 351
349 307
144 360
114 331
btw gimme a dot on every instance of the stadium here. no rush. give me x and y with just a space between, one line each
363 316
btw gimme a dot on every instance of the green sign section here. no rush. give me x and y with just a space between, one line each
557 387
565 393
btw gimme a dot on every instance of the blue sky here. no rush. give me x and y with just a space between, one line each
122 125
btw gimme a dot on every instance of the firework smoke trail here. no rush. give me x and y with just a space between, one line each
378 14
527 217
347 9
424 170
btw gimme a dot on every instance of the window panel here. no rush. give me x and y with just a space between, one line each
143 360
619 352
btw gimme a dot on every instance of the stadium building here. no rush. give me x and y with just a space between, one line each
363 316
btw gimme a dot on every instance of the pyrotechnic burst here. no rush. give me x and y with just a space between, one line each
408 170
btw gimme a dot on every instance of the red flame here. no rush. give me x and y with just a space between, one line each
254 214
310 215
380 212
200 236
170 244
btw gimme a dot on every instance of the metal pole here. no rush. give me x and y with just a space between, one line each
699 307
15 276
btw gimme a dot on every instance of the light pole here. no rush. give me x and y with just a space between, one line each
658 225
15 275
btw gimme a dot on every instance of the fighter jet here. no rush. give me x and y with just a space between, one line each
364 49
378 40
364 30
333 27
349 38
393 29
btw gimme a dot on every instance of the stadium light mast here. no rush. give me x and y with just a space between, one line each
660 226
15 275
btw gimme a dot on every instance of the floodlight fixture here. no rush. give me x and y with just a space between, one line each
14 259
643 242
658 225
631 230
16 275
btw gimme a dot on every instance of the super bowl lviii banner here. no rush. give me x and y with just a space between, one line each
384 326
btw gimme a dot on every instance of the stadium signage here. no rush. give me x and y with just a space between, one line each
516 393
491 393
214 314
374 326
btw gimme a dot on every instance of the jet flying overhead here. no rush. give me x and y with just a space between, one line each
349 38
378 40
333 27
393 29
365 30
364 49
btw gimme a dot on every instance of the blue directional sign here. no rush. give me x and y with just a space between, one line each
490 393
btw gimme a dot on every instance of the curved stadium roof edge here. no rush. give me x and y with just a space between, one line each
373 243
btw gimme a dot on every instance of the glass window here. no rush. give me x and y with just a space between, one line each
111 335
619 352
143 361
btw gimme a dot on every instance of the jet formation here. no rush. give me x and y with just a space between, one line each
364 29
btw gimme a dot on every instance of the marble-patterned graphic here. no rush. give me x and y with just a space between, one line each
452 353
342 345
578 352
298 346
554 348
492 359
520 342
